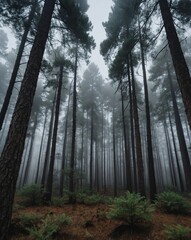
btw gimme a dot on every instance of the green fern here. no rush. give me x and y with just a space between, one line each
172 202
177 232
49 226
132 208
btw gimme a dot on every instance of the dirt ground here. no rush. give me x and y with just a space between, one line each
91 222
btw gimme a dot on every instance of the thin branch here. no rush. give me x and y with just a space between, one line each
160 51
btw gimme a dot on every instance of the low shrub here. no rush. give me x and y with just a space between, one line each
131 208
48 227
22 222
177 232
80 197
93 199
108 200
172 202
29 219
58 201
31 195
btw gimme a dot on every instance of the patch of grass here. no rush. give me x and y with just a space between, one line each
172 202
177 232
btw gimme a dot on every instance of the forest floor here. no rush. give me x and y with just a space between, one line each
91 222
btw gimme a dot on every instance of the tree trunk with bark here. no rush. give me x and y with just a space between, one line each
17 64
114 156
180 66
141 181
132 128
176 155
49 183
91 150
29 159
11 156
64 149
152 180
180 133
41 147
48 144
72 198
127 161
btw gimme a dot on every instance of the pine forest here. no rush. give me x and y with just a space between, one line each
95 119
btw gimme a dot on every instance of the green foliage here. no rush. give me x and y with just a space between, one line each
172 202
81 197
17 207
131 208
88 235
177 232
108 200
29 219
85 197
58 201
93 199
21 222
32 195
49 226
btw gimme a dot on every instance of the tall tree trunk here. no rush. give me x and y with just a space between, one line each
97 167
72 198
158 161
24 160
102 146
140 166
180 133
170 155
12 153
132 130
82 153
17 64
64 148
49 183
176 155
180 66
48 144
30 150
91 150
41 145
127 161
152 180
6 124
114 157
104 165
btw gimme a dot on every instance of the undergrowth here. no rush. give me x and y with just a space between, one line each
131 208
171 202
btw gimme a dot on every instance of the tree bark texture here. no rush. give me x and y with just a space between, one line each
140 166
17 64
152 179
180 134
49 182
72 198
12 153
180 66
